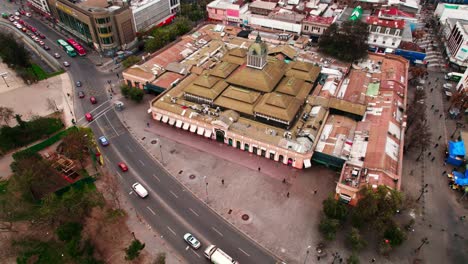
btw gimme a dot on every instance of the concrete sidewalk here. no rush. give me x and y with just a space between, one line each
285 226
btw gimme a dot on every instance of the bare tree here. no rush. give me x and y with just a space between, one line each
6 114
420 136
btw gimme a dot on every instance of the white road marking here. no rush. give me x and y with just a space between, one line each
110 124
196 253
154 175
244 252
195 213
216 230
172 231
119 175
174 194
141 162
129 149
147 207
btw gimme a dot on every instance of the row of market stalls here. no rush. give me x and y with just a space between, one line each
456 156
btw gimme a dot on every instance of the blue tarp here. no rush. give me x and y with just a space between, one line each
460 178
456 148
454 161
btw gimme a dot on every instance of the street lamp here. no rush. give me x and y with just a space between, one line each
3 74
307 254
206 188
424 241
423 190
160 151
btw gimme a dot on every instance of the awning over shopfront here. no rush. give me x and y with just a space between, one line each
171 121
208 133
158 116
165 118
178 124
193 128
200 131
307 163
186 126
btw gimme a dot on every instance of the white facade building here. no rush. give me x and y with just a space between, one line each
148 13
385 34
40 5
463 83
445 11
456 44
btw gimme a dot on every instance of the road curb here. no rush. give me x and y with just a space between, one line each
248 237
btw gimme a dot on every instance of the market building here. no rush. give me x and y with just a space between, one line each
40 6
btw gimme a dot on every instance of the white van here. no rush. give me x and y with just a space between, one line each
140 190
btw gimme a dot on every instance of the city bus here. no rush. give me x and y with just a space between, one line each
453 76
79 49
67 48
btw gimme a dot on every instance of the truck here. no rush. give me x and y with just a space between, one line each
217 256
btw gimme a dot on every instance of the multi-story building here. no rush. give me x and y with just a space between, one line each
174 5
316 25
445 11
40 6
456 44
149 13
105 25
384 34
278 20
262 7
226 11
463 83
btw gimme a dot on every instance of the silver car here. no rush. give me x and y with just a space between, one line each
192 241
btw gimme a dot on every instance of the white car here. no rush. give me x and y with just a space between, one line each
192 241
17 14
28 14
66 64
16 17
448 86
140 190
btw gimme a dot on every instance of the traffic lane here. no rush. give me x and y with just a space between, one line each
213 227
153 210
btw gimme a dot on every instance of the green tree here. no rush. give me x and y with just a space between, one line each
136 94
353 259
160 259
328 227
335 209
347 43
20 121
130 60
125 90
133 251
355 240
68 231
394 234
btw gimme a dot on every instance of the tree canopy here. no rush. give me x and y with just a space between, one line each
347 43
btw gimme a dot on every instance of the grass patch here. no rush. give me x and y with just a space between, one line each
3 187
39 72
43 252
55 73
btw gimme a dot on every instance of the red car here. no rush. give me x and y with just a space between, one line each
42 36
33 29
21 22
89 117
22 12
93 100
122 166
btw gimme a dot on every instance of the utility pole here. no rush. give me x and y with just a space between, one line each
206 188
424 241
160 151
3 77
307 254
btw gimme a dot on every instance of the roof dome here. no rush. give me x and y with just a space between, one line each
259 47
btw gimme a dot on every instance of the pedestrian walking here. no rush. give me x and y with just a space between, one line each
411 172
443 173
462 218
440 116
284 180
147 124
433 158
429 83
315 191
432 106
287 195
222 181
428 154
373 260
258 168
436 145
432 89
440 137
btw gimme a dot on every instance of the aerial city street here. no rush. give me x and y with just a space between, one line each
233 132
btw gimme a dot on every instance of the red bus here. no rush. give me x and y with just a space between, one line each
79 49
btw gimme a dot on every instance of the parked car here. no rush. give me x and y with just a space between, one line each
93 100
81 94
11 19
78 84
33 29
448 86
66 64
17 13
89 117
21 22
122 166
42 36
103 140
28 14
41 43
56 55
16 17
22 12
46 47
24 29
192 241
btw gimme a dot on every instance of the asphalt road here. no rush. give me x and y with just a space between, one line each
170 208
